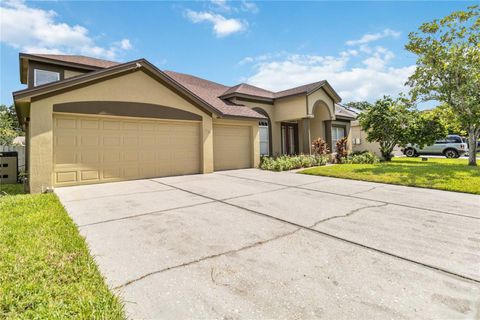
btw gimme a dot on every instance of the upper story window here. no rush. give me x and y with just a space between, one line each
44 76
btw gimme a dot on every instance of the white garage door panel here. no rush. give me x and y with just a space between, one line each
232 147
100 149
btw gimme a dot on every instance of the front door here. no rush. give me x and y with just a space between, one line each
289 138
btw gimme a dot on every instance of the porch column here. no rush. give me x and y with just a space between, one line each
307 139
328 134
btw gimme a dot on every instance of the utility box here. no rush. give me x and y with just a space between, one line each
8 167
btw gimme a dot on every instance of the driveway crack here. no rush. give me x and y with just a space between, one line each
348 214
189 263
358 192
299 226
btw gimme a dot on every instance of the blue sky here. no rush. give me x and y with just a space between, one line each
357 46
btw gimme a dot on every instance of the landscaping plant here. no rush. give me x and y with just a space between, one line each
341 149
365 157
285 163
320 147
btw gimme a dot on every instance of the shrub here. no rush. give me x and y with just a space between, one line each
284 163
341 151
361 158
319 147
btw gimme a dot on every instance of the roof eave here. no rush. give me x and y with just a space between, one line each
33 57
246 96
341 117
239 117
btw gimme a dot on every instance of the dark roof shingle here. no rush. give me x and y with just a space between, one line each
210 92
248 89
300 89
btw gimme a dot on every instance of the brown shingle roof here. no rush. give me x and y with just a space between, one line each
210 92
248 89
78 59
300 89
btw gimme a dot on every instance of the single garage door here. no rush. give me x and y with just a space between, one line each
232 147
100 149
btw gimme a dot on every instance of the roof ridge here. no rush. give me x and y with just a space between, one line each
303 85
190 75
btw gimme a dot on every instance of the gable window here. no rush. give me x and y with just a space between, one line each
44 76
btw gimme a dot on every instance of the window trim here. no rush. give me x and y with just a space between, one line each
35 76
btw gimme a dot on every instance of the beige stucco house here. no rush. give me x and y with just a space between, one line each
89 121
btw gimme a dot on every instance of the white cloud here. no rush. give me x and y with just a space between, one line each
125 44
368 79
249 6
369 37
222 26
221 5
38 31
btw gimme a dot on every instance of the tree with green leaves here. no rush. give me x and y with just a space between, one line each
7 126
449 119
359 105
392 122
448 68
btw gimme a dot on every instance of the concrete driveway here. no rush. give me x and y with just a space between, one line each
253 244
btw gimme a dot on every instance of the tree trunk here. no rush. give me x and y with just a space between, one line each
386 151
472 147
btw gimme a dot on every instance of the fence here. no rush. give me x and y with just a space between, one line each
21 155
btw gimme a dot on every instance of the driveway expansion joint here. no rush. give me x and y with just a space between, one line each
212 200
432 267
144 214
301 187
118 194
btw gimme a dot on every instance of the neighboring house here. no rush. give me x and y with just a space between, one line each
89 120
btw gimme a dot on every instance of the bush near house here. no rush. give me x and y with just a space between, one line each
364 157
46 271
284 163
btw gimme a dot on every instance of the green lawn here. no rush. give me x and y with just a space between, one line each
12 188
436 173
46 271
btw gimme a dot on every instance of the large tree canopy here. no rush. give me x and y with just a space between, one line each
448 67
449 119
395 122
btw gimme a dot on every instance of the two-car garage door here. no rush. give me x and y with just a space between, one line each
91 149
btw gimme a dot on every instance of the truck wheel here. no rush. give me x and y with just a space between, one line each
410 152
451 153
